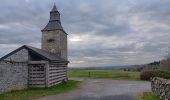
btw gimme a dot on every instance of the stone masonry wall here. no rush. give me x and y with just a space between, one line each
161 87
13 76
55 42
20 56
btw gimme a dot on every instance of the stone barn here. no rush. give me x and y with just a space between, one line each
32 67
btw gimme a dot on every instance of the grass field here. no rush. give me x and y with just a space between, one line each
149 96
29 94
112 74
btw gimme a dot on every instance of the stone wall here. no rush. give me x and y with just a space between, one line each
20 56
55 42
161 87
13 76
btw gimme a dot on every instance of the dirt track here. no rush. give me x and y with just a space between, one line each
103 89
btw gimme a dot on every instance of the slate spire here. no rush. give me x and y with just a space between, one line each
54 22
54 8
54 14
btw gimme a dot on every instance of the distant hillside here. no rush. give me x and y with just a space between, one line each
151 65
107 67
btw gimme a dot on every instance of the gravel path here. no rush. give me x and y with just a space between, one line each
103 89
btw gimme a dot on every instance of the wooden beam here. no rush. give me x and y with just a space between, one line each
37 62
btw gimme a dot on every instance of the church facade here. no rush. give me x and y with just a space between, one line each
28 66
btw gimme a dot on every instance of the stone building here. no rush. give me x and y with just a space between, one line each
32 67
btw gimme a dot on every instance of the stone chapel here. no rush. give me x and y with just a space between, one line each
28 66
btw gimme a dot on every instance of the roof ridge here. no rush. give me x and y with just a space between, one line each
52 54
37 48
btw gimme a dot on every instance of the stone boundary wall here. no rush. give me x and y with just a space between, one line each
13 76
161 87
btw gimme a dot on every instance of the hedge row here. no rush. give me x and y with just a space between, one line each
148 74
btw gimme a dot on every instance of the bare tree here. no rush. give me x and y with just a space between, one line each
166 62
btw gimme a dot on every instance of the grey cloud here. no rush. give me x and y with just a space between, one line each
156 10
109 22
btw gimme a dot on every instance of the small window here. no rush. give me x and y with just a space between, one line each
50 40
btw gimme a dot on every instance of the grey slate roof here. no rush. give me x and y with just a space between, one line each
48 55
53 25
54 22
44 54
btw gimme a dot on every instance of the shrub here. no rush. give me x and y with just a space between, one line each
163 74
147 74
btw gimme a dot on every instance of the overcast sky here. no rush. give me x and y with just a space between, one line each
100 32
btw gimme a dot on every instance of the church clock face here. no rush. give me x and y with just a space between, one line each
50 40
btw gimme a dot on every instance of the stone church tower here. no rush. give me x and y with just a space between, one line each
54 38
30 67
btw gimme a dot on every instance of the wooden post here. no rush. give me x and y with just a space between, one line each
66 72
46 74
89 74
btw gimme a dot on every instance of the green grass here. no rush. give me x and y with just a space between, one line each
112 74
29 94
149 96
